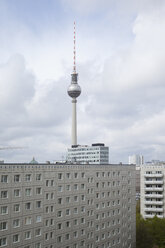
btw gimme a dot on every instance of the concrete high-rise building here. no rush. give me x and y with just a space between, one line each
136 159
74 91
67 206
96 154
152 191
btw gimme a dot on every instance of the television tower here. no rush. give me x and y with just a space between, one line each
74 91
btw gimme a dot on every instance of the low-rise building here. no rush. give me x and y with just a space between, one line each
95 154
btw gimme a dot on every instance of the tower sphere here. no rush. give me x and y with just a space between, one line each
74 90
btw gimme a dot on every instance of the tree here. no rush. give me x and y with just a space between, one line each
144 238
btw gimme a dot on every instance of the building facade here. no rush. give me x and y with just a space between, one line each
95 154
136 159
67 206
152 191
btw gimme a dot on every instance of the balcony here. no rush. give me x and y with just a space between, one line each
153 175
153 209
153 189
153 196
152 216
153 182
160 203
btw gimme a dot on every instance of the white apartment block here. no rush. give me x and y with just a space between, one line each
152 191
67 206
96 154
136 159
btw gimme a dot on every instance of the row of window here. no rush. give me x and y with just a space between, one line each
17 208
16 239
17 178
38 177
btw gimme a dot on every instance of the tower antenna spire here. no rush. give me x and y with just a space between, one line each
74 48
74 91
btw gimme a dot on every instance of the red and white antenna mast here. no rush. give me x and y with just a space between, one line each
74 49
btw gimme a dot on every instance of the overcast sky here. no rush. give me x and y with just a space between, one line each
121 65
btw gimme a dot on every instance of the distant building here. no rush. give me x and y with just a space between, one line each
152 191
96 154
136 159
67 206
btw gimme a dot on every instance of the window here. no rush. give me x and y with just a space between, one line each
28 192
59 213
68 175
75 234
51 222
38 245
16 223
82 209
16 178
46 236
68 224
38 218
60 176
67 211
28 205
59 188
67 199
75 198
4 194
75 210
67 236
15 238
3 225
59 226
4 210
51 208
82 197
27 235
82 220
75 222
97 174
75 186
47 183
75 175
17 193
59 200
68 187
28 177
16 208
28 220
82 243
82 186
3 242
83 175
38 191
59 239
4 178
38 177
38 204
52 182
82 231
38 232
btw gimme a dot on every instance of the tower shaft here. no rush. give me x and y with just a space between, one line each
74 91
74 122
